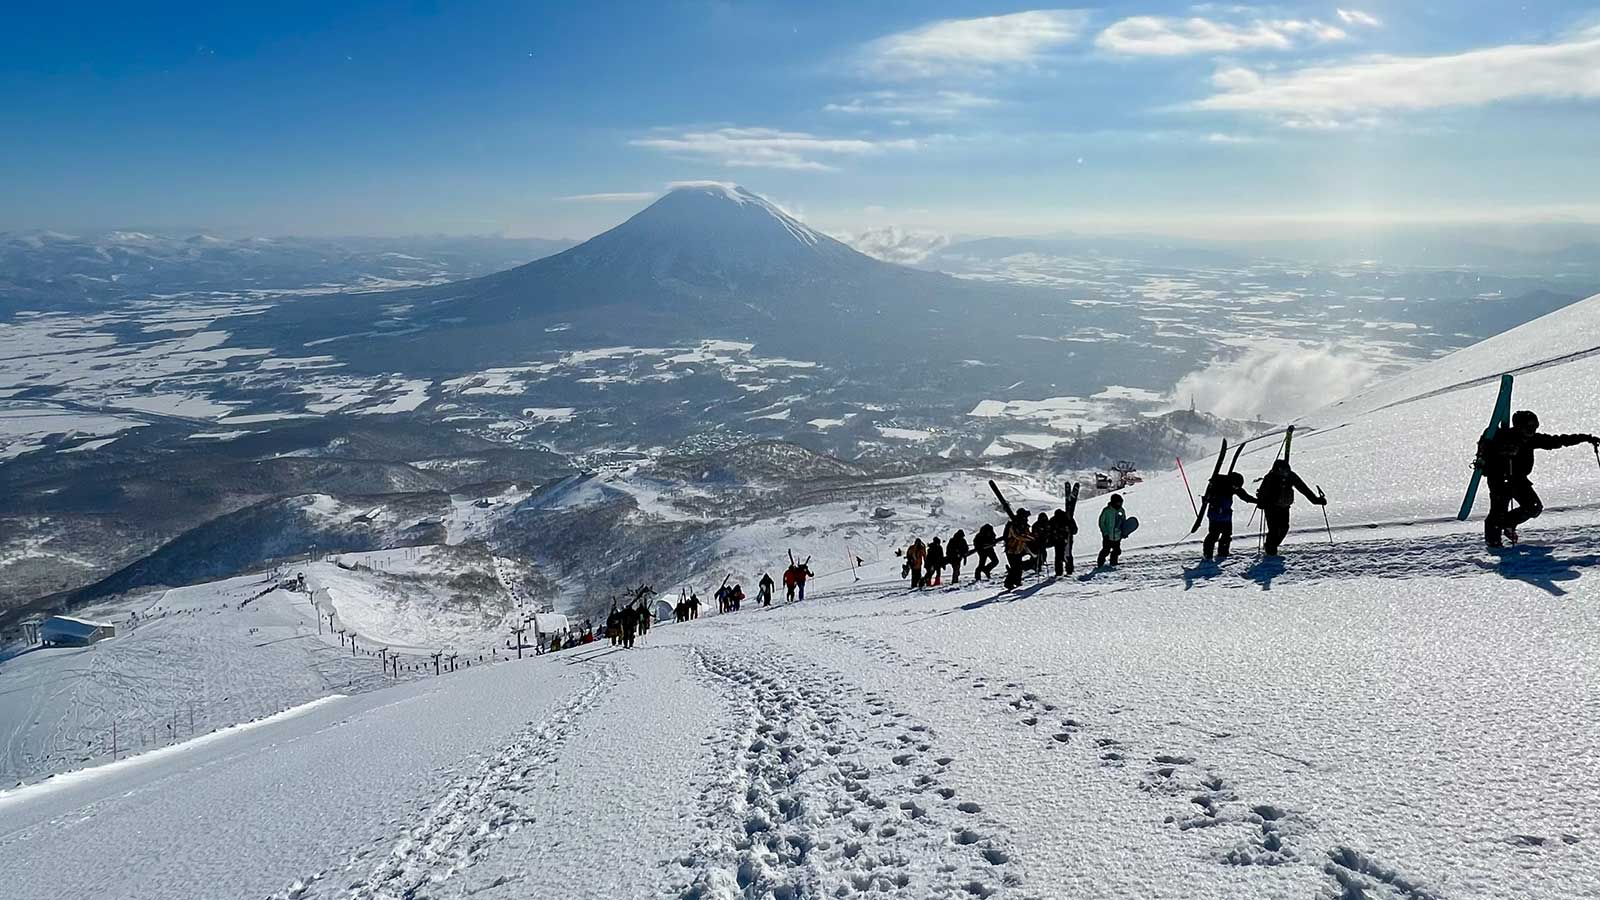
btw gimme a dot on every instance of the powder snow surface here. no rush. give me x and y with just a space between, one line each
1397 716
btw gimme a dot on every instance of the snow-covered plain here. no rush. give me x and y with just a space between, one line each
1398 715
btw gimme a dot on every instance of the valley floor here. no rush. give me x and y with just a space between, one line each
1398 716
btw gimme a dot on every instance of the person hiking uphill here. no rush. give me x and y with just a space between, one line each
1274 498
1219 512
1042 539
916 555
983 544
955 553
1112 519
1017 538
764 589
1062 528
933 565
802 571
1507 464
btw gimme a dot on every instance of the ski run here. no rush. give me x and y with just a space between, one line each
1388 711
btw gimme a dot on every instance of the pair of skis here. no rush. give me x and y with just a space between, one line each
1205 497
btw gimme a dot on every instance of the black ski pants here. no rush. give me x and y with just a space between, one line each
1013 569
1219 539
986 563
1110 551
1277 519
1502 492
1063 558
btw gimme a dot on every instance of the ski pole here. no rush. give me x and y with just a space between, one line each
1190 490
1326 524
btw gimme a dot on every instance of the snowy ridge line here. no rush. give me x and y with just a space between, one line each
832 791
76 777
1551 362
476 811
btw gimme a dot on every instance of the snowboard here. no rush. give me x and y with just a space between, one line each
1500 417
1130 525
1205 494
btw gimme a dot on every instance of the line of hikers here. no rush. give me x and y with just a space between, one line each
731 597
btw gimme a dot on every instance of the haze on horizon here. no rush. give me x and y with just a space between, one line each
561 120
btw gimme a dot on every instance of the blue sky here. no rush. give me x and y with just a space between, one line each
561 119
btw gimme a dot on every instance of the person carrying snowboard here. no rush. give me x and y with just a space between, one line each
1508 464
764 589
955 553
1274 498
1018 539
1112 518
1062 528
1219 512
983 543
933 565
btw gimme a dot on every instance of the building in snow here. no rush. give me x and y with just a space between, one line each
69 631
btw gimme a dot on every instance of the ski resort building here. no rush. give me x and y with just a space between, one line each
67 631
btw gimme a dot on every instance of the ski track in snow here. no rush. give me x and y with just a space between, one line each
830 790
476 811
1248 831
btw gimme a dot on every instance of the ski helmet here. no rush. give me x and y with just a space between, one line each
1236 479
1525 420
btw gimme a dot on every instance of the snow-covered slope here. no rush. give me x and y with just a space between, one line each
1399 716
1401 451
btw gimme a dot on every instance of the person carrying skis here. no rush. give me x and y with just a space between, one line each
1112 519
1508 464
916 554
1062 528
1017 539
1040 546
694 605
983 544
1219 512
1274 498
933 565
801 573
764 589
788 584
955 553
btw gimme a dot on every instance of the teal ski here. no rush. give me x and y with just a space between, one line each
1500 419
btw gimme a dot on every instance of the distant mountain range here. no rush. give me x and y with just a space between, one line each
48 270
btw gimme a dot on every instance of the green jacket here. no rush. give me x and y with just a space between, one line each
1111 520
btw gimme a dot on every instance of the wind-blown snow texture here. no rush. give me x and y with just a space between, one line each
1398 716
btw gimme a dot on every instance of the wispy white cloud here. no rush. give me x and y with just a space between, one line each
974 45
1161 36
892 243
1332 95
916 105
1357 17
1220 137
769 148
1275 382
617 197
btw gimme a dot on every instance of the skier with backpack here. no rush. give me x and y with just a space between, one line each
916 554
802 571
1042 539
1018 539
1274 498
1112 520
1507 460
1219 512
955 553
983 544
1062 528
933 565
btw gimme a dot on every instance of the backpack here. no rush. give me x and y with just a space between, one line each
1276 490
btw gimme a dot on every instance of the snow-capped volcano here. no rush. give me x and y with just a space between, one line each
707 235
